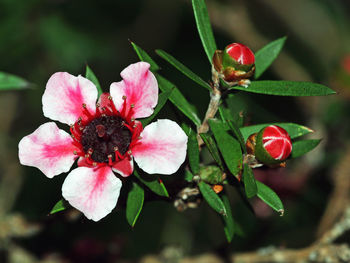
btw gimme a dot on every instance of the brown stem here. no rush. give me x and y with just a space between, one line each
213 106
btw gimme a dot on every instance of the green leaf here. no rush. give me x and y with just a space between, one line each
229 223
193 151
143 56
227 115
265 56
249 181
59 206
213 149
153 183
212 198
188 176
182 68
162 99
204 27
266 194
12 82
228 146
237 132
294 130
178 99
303 146
134 203
286 88
90 75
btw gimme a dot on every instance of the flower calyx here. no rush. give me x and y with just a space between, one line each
235 64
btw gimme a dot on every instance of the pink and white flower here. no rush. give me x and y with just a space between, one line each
104 136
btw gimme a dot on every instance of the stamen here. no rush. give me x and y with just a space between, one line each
132 105
118 154
114 109
127 126
110 162
90 151
86 111
123 112
98 110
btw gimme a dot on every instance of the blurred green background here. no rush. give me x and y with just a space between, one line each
38 38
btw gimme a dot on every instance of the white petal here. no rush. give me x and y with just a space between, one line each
48 148
162 149
94 192
64 96
140 87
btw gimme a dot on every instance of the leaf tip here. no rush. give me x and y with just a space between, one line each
281 211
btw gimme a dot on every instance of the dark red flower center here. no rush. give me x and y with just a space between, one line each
103 136
107 136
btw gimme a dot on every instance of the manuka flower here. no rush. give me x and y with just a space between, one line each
104 136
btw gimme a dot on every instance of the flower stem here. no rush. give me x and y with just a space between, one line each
213 106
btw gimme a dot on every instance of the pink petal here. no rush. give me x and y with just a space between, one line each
49 149
162 149
64 96
140 88
94 192
124 167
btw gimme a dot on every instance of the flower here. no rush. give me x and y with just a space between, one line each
273 145
104 136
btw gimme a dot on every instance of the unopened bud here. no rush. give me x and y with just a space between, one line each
235 63
273 145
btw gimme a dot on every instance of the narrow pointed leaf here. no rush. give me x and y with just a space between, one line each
12 82
134 204
90 75
303 146
286 88
227 115
204 28
294 130
265 56
192 150
229 223
237 132
228 146
266 194
213 149
59 206
162 99
249 181
143 56
212 198
152 182
178 99
182 68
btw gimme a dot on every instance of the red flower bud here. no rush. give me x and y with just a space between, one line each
234 64
273 145
240 53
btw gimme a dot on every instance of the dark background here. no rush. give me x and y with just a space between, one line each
38 38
